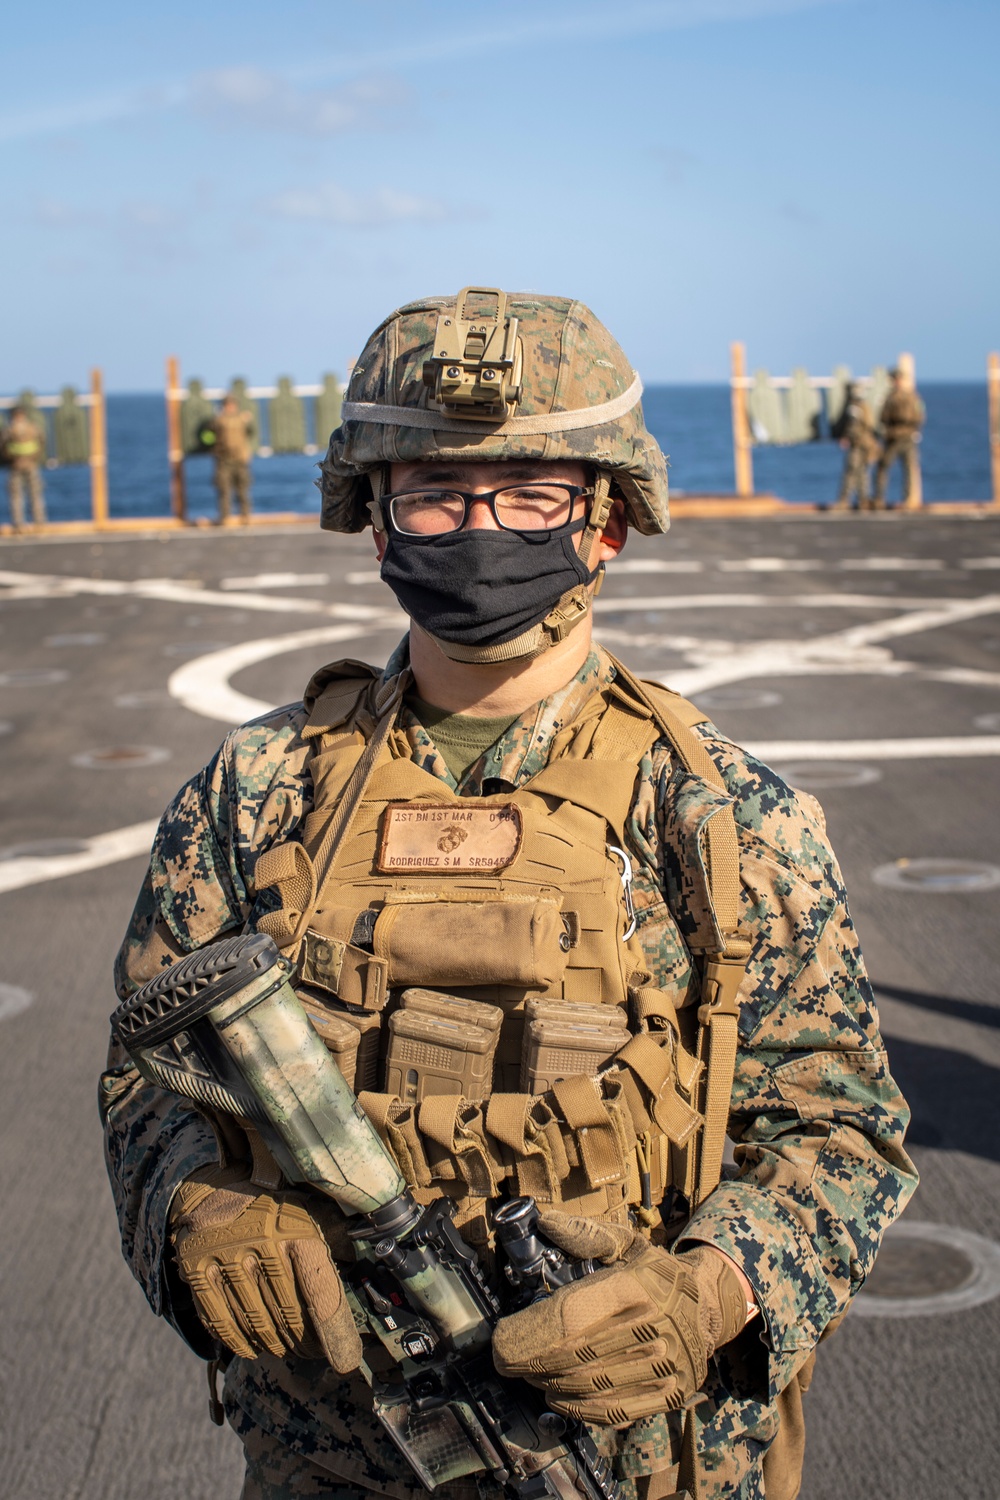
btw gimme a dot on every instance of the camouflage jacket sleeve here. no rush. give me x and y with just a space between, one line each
818 1121
199 885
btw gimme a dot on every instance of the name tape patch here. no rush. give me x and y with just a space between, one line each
421 836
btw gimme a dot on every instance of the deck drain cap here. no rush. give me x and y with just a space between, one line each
933 875
13 999
816 775
923 1269
121 757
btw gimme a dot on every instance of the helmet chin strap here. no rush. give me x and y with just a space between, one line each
566 614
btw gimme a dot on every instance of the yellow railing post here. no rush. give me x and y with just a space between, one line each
175 444
915 496
98 452
993 394
742 460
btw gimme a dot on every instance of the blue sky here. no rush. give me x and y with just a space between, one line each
254 187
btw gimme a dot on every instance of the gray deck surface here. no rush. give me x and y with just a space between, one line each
98 1401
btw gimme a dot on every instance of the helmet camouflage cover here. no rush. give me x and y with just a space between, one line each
485 376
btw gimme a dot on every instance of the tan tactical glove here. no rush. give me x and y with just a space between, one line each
626 1342
260 1269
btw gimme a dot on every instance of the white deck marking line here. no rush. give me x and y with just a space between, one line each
51 586
634 565
606 605
103 849
276 581
891 564
770 564
656 565
202 685
931 748
853 649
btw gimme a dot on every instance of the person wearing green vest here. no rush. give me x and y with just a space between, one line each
561 935
23 446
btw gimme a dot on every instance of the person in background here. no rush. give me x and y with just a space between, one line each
901 418
861 448
23 444
233 449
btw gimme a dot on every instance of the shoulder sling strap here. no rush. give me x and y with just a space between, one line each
722 969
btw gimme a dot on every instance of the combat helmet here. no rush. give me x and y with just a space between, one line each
487 376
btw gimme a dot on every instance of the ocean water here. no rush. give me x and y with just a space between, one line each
691 423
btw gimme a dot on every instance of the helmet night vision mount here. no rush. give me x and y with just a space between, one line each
475 370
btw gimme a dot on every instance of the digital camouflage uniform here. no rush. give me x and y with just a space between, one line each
861 449
24 448
902 417
817 1119
233 449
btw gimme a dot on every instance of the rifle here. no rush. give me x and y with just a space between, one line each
224 1028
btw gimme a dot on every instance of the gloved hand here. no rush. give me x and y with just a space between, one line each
628 1341
260 1269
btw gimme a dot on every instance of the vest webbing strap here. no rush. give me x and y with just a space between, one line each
342 817
722 971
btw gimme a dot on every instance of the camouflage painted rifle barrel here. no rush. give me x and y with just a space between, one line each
224 1028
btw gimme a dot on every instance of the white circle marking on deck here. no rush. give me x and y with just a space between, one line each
102 849
982 1286
203 685
933 877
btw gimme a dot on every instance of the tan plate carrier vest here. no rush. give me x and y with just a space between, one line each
391 949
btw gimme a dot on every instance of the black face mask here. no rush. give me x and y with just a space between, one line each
483 588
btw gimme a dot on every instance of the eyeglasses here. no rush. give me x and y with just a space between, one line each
517 507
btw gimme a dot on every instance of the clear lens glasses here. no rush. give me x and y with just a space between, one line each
519 507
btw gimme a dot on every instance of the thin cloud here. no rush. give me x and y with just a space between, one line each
54 213
250 96
329 203
591 24
604 21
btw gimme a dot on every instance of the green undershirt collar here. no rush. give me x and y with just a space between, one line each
460 738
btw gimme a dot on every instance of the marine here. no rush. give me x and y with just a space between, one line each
861 448
23 445
641 944
901 419
233 448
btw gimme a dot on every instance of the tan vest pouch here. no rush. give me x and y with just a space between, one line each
512 940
